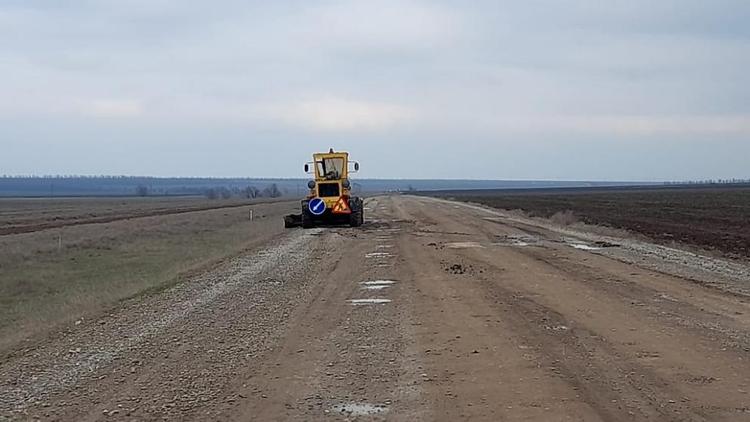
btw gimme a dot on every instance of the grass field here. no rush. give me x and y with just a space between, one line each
58 275
712 218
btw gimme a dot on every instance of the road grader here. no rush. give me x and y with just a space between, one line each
330 199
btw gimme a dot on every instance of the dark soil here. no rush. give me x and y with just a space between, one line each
714 218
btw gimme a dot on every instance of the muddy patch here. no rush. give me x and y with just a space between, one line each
589 246
521 240
457 268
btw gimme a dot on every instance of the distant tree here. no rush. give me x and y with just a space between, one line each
211 193
141 190
272 191
251 192
225 193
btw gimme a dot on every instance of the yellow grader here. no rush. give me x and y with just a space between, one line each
330 200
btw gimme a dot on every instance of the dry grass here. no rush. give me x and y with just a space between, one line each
564 218
56 276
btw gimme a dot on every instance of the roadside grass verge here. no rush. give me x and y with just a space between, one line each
58 276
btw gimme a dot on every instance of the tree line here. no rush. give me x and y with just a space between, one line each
223 192
709 182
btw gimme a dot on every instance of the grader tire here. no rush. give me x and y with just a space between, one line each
307 221
355 218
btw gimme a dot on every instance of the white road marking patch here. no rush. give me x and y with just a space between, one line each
368 301
377 287
378 255
463 245
383 246
360 409
378 282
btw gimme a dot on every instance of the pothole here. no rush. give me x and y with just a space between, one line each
360 409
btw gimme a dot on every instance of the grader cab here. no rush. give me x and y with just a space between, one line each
330 200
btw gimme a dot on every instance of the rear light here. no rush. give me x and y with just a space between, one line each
311 184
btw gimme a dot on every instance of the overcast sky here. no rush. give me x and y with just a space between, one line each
598 90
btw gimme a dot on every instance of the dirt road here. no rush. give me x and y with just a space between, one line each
433 310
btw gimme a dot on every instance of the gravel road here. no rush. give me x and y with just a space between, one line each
433 310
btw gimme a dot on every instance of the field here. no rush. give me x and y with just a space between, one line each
64 259
34 214
711 218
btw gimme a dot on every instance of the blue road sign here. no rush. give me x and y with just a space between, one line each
316 206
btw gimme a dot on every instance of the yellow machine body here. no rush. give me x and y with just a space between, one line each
330 199
331 172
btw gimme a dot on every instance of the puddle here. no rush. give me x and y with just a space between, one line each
377 255
584 247
378 282
368 301
595 246
517 240
360 409
463 245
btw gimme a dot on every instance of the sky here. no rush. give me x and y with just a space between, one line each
557 90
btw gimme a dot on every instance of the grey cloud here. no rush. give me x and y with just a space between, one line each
506 80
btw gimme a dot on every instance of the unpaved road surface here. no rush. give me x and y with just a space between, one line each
433 310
